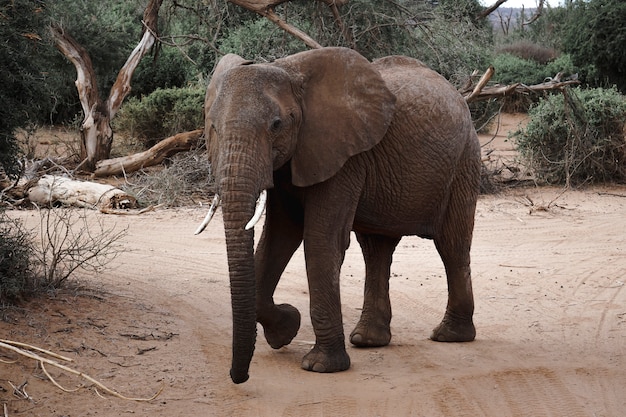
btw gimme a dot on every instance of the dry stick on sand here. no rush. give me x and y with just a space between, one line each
16 347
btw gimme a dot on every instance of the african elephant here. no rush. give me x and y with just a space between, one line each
331 143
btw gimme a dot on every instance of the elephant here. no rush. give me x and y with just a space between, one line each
326 143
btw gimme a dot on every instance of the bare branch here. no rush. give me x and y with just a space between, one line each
490 9
480 92
535 15
12 346
481 84
121 88
86 83
269 13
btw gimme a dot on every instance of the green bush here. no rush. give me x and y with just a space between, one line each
513 69
163 113
576 137
16 252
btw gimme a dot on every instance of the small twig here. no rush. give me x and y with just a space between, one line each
43 360
54 382
611 194
20 391
142 351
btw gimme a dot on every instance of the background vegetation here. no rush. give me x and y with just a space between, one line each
573 137
576 137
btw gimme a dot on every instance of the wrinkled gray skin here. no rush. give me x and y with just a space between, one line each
386 149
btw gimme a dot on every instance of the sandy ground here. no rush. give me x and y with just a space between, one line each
548 270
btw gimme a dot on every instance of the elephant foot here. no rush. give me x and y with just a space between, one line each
317 360
370 334
453 329
283 325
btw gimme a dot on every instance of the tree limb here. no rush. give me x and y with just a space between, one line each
480 92
310 42
490 9
86 82
153 156
121 88
535 15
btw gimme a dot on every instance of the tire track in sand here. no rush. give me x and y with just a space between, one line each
537 392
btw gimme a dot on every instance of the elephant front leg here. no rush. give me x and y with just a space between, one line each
281 237
373 328
329 353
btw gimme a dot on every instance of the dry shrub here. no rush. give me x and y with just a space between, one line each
576 137
185 179
530 51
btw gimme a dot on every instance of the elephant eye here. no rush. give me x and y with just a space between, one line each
277 124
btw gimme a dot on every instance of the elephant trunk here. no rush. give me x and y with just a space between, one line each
240 183
240 250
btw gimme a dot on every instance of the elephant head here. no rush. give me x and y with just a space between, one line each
312 110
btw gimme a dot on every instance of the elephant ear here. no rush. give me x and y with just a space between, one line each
223 66
346 110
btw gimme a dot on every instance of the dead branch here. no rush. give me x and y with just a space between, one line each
535 15
481 84
265 8
153 156
17 348
490 9
86 83
480 92
310 42
121 88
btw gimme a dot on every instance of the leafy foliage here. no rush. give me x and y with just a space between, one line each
577 137
163 113
511 69
20 77
593 33
260 39
168 69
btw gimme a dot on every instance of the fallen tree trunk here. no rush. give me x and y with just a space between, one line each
51 190
153 156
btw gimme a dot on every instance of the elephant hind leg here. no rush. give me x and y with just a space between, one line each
453 242
373 328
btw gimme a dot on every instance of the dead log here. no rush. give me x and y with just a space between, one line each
51 190
153 156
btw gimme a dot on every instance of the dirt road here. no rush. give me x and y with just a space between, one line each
548 271
550 314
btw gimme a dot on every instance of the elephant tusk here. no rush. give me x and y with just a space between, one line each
214 205
258 211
